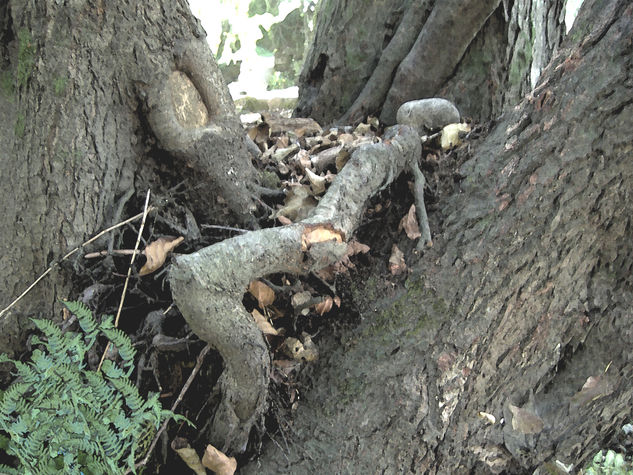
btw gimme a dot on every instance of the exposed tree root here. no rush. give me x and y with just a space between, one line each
208 286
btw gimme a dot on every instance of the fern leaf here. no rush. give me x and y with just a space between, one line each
123 344
130 393
84 315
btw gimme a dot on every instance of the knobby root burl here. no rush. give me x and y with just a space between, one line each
193 118
208 285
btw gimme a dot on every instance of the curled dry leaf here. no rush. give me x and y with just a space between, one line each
263 324
188 455
157 251
396 261
218 461
265 295
317 182
302 160
324 306
409 223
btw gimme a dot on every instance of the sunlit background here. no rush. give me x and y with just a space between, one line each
260 45
257 42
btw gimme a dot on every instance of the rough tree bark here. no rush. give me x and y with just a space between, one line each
480 55
81 81
526 295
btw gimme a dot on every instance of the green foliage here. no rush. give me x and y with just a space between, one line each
58 416
609 463
226 29
259 7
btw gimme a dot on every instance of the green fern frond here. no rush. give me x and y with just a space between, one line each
59 417
11 400
84 315
130 393
54 336
123 344
4 469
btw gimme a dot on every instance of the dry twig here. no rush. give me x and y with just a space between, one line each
129 273
178 400
53 265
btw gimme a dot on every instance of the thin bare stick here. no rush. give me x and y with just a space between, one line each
224 228
111 228
178 400
47 271
114 252
129 273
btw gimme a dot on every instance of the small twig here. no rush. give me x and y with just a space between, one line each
47 271
127 278
114 252
224 228
419 182
178 400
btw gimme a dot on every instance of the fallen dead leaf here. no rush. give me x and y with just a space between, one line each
396 261
409 223
263 324
317 182
219 462
188 455
265 295
156 252
324 306
260 135
302 158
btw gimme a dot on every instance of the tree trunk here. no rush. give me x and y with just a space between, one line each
521 312
93 95
482 55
